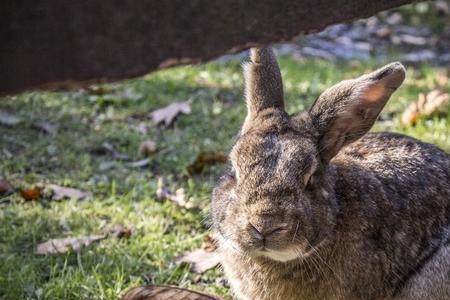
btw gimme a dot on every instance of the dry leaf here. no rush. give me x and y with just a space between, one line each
60 192
200 260
206 159
31 194
5 187
179 197
163 193
122 232
169 113
63 245
138 164
426 105
9 119
147 148
209 243
115 154
163 292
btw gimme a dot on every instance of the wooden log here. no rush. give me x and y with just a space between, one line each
60 43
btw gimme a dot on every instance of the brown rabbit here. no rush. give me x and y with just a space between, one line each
317 208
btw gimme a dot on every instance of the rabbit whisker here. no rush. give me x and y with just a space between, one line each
296 229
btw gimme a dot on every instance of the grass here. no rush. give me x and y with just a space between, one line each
116 113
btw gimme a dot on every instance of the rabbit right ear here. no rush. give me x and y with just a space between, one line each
263 84
346 111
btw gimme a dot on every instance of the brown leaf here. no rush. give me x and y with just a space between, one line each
200 260
209 243
179 197
164 292
115 154
31 194
60 192
426 105
147 148
5 187
206 159
169 113
122 232
63 245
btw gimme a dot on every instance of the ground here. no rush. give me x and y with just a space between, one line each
117 114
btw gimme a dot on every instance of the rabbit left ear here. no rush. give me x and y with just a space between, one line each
263 84
346 111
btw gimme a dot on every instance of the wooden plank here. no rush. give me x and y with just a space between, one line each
60 43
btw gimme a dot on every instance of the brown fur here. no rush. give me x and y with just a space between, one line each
317 208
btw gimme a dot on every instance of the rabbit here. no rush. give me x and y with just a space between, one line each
315 207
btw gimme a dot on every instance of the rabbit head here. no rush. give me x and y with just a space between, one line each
279 200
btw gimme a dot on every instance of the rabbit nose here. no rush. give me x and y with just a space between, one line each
262 232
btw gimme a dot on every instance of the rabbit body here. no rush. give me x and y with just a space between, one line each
316 208
391 238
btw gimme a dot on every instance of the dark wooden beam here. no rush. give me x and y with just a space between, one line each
61 43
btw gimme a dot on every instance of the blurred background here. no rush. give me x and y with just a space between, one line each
108 187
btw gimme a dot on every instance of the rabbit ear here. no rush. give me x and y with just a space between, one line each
263 84
346 111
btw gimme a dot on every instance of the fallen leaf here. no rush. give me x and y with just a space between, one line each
209 243
5 187
179 197
109 148
427 104
31 194
63 245
169 113
164 292
120 231
147 148
200 260
138 164
46 127
204 258
9 119
206 159
60 192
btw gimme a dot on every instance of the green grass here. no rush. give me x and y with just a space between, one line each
124 195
